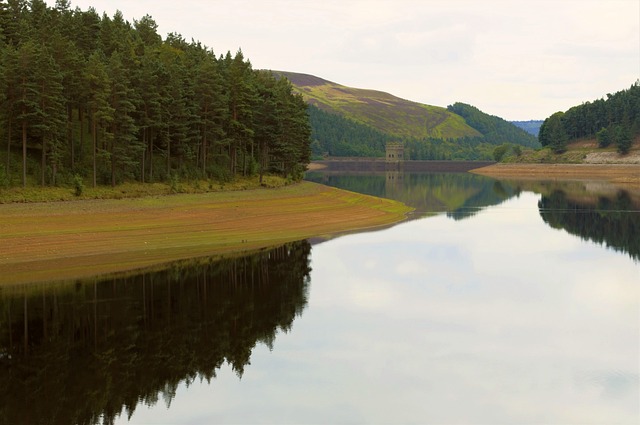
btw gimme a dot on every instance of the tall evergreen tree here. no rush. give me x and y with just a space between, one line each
623 139
13 24
266 120
51 118
242 97
292 149
150 113
25 103
101 113
553 134
212 107
125 148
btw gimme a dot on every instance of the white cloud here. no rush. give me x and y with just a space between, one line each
516 59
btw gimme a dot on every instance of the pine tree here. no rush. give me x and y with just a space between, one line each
13 27
125 148
150 109
242 97
603 137
266 120
4 103
51 117
553 134
623 139
101 113
25 104
292 149
212 106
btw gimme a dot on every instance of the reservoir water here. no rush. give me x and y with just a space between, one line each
497 302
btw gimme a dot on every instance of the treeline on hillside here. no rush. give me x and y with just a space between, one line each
100 97
614 120
495 130
335 135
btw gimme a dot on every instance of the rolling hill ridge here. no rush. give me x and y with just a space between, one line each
382 111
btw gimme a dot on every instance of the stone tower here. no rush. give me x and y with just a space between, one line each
394 152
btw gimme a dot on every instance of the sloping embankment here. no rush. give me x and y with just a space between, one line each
622 174
65 240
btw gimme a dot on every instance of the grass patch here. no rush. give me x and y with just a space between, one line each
132 189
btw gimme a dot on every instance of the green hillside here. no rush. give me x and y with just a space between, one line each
382 111
495 129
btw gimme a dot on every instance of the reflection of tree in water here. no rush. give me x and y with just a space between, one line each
489 194
461 195
611 222
82 352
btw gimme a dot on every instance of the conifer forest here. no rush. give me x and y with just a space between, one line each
95 97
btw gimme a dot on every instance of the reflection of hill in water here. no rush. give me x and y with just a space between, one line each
76 352
459 194
611 220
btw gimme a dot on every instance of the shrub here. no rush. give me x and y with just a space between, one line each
78 184
603 137
623 140
499 152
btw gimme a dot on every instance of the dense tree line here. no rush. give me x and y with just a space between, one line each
495 130
112 101
463 149
335 135
614 120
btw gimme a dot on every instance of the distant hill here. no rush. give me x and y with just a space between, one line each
347 121
532 126
382 111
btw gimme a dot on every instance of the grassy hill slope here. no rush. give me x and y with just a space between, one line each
382 111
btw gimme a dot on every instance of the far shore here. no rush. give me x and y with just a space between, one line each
74 239
627 175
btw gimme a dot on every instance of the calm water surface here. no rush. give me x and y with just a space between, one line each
498 303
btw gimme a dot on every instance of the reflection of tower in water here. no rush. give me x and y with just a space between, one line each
394 158
394 183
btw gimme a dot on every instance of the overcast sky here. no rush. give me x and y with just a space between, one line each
517 59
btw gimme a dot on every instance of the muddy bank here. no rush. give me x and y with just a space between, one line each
620 174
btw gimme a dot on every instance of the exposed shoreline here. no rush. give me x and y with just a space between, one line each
75 239
627 175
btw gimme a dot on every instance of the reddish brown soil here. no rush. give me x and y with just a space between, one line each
620 174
